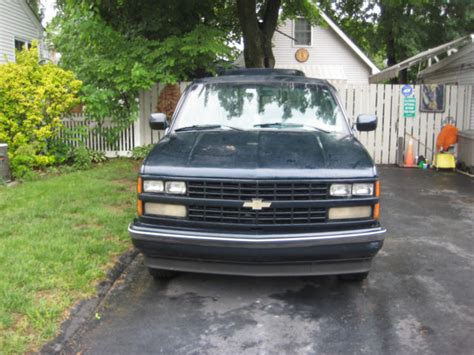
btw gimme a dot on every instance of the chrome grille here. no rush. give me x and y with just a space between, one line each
268 191
268 216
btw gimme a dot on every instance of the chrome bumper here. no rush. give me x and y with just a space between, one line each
255 240
324 253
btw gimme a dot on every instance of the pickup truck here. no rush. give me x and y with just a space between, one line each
260 174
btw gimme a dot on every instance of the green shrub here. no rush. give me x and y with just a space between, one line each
97 157
83 158
61 152
33 98
139 153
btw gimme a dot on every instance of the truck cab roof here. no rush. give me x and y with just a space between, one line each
262 75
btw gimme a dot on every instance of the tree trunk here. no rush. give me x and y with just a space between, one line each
386 22
258 51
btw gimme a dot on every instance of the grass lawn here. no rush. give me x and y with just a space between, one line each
58 237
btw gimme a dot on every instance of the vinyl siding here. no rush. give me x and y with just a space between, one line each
16 23
327 49
460 72
472 107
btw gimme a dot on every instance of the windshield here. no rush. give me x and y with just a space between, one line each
257 106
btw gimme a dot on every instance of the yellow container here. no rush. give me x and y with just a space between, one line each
444 161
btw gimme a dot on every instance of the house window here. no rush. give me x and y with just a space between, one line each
302 32
19 44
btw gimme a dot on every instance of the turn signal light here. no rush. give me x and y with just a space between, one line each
377 188
139 185
139 207
377 211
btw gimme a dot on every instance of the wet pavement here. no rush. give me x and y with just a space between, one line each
419 297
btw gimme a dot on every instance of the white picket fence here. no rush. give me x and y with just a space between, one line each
95 135
385 101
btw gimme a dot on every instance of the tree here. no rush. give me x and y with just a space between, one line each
258 21
253 20
117 48
36 7
394 30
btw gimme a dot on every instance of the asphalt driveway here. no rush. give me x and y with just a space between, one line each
419 297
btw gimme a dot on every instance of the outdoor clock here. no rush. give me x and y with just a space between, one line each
302 55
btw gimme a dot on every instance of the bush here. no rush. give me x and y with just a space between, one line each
97 157
83 158
33 98
139 153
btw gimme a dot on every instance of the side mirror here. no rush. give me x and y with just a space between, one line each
366 123
158 121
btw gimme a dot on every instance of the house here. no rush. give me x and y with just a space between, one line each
19 26
451 63
324 52
457 68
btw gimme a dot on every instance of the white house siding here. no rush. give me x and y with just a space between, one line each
16 22
460 72
328 51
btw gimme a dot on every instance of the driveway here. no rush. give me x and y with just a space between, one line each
419 297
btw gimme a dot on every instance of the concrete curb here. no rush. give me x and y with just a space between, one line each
86 309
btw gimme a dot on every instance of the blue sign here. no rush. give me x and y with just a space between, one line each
407 90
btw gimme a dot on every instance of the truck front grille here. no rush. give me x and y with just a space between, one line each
268 216
268 191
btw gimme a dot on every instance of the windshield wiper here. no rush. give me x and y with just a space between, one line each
205 127
282 125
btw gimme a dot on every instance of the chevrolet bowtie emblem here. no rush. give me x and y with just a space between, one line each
257 204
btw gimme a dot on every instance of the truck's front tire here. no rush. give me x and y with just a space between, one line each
160 274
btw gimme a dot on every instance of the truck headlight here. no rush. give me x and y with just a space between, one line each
350 212
363 189
340 190
153 186
175 187
165 209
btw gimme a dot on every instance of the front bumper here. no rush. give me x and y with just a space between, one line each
322 253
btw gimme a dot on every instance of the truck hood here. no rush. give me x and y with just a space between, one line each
262 154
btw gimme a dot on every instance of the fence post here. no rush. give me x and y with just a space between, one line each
137 125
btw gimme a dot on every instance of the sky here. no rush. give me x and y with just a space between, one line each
49 10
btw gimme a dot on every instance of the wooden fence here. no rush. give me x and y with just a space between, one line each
385 101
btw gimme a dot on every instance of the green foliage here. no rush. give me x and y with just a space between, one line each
33 98
97 157
115 60
393 30
36 7
60 150
140 153
77 158
82 158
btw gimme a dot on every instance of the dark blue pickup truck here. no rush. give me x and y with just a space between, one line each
259 174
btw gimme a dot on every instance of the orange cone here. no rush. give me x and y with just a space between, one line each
409 159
